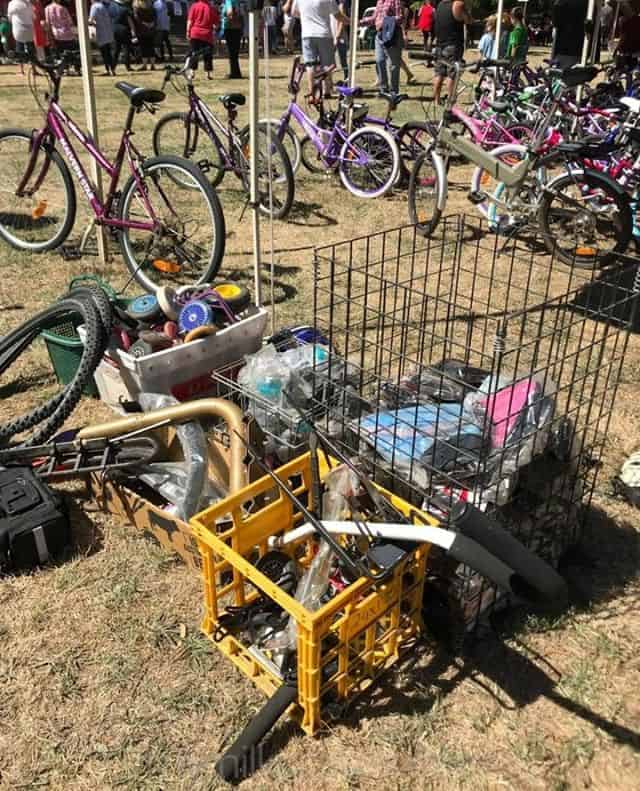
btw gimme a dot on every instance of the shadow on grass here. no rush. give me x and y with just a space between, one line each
306 211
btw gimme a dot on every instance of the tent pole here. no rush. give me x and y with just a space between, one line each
90 112
496 43
586 50
254 111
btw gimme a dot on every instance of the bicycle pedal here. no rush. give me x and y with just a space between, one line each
476 197
69 253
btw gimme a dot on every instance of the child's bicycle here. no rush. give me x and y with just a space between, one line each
367 160
217 148
166 232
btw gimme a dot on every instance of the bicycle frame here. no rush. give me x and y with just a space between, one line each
54 131
481 129
315 132
199 110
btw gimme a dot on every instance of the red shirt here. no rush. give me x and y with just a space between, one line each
202 20
425 20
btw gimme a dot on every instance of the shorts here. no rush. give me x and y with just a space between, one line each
25 49
318 50
452 53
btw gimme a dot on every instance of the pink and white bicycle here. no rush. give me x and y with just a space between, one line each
167 217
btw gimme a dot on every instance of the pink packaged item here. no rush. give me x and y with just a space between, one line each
505 408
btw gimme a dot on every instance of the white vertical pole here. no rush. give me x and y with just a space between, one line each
353 42
585 53
90 112
254 111
496 43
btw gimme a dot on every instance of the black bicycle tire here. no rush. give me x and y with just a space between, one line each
287 174
423 228
51 415
591 177
102 302
209 271
70 219
219 171
406 128
536 573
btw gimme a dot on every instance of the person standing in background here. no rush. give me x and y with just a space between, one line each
425 23
124 31
144 18
60 27
100 21
269 17
232 34
163 27
40 38
518 45
451 17
568 22
388 20
20 16
340 30
202 22
485 45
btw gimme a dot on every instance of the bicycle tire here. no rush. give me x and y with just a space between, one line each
311 159
288 138
424 194
50 416
386 144
408 137
622 234
70 200
209 267
281 174
214 171
101 301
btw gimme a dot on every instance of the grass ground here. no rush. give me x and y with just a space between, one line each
106 682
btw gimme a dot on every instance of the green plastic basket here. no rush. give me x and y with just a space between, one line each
65 350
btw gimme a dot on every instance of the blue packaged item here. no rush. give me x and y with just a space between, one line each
438 436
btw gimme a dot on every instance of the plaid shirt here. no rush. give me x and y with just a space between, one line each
388 8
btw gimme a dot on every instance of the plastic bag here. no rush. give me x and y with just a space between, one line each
194 447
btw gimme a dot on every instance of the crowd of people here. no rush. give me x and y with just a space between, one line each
129 32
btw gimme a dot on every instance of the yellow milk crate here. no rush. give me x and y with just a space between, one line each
343 645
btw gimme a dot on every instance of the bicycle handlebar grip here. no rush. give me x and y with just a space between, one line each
536 573
239 760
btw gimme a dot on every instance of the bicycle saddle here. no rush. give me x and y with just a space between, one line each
230 100
139 96
394 99
575 75
633 105
345 90
499 106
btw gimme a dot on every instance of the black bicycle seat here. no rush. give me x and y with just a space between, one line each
394 99
230 100
139 96
499 106
575 75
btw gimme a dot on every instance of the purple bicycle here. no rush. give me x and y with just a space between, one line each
167 217
367 160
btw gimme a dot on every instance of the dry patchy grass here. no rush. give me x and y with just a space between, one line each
105 681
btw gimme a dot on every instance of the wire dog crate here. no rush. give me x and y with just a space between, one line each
478 370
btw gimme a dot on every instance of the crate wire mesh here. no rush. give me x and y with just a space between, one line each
549 341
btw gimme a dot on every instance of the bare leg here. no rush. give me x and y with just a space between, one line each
406 70
310 70
437 88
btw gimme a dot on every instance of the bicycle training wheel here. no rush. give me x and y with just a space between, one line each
275 177
424 193
174 136
585 219
187 240
43 217
369 162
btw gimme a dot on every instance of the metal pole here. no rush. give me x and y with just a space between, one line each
90 112
353 42
254 112
585 53
496 43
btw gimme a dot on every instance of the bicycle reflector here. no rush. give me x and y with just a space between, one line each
168 267
586 251
39 210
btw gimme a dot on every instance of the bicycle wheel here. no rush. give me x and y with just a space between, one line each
424 193
413 139
289 140
42 218
311 159
187 241
585 219
174 136
275 177
369 162
484 183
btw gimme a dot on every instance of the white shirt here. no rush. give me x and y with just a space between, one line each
315 16
20 14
